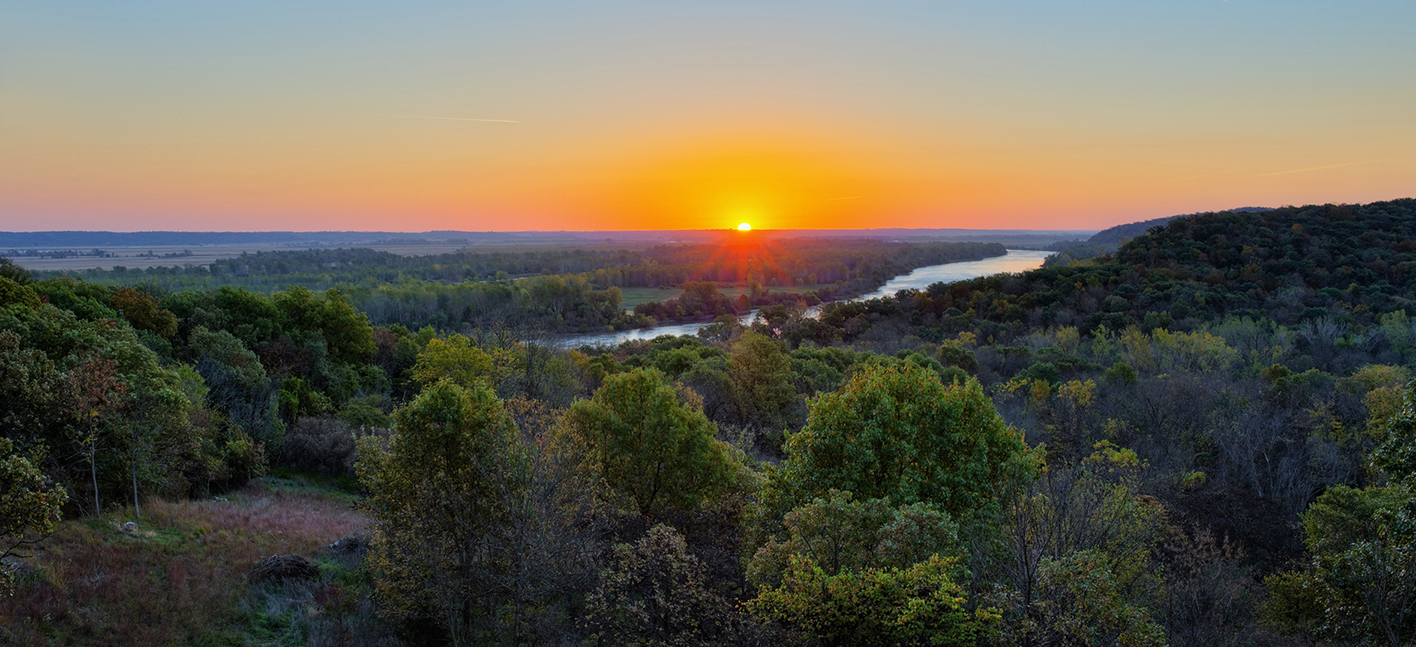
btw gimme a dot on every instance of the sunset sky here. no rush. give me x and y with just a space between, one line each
350 115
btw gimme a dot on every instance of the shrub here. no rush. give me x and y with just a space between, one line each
954 355
655 594
365 413
323 446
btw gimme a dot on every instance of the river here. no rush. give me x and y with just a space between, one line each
1016 260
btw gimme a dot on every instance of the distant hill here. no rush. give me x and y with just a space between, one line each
1121 233
1351 262
1109 240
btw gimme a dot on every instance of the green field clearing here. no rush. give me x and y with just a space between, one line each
636 296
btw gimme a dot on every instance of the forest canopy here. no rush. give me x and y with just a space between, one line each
1201 438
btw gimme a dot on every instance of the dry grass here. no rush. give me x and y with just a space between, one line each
180 578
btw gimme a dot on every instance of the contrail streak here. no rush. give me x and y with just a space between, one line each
496 121
1321 168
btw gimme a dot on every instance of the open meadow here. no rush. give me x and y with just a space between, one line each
187 573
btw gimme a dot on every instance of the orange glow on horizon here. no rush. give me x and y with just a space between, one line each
778 174
663 116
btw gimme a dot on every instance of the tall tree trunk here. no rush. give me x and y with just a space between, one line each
136 511
93 471
133 455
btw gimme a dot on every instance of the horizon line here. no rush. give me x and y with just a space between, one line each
508 231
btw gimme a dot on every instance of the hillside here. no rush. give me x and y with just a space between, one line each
1108 240
1347 262
1121 233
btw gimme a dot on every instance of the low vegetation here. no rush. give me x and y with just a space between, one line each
185 574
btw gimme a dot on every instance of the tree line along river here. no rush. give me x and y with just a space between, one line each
1016 260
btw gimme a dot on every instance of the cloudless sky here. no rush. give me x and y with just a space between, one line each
356 115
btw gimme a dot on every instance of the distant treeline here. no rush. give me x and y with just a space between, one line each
559 290
777 263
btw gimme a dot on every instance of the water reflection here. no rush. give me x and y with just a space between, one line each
1016 260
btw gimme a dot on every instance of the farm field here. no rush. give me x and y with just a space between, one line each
139 257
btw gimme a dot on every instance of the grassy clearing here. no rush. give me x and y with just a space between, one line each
184 575
284 479
636 296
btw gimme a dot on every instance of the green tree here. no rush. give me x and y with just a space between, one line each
761 373
239 384
866 572
345 330
226 349
69 389
920 604
899 433
86 300
34 397
1396 456
97 395
1358 583
1078 603
1363 547
725 328
1090 522
251 317
156 409
17 294
954 354
435 496
651 447
454 359
655 594
29 509
839 534
12 272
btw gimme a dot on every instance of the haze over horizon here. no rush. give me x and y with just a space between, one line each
546 116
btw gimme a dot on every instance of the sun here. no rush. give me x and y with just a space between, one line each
744 227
